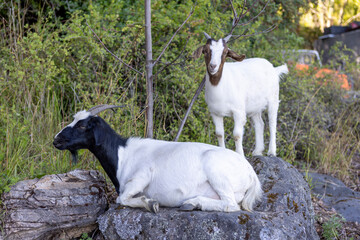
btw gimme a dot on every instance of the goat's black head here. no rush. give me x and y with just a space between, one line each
215 53
83 133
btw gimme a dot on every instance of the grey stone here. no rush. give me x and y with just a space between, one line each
285 212
335 194
59 206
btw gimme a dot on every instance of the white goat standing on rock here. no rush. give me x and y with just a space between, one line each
148 173
237 89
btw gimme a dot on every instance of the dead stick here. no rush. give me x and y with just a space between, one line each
119 59
201 86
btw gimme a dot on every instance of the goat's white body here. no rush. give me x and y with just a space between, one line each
175 173
246 88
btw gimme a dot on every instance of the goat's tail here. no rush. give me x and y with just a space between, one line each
283 69
253 194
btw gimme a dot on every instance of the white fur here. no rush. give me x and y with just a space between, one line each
77 117
177 173
245 88
217 48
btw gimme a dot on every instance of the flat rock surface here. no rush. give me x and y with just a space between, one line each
59 206
285 212
335 194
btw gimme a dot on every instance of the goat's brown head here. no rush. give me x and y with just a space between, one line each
215 53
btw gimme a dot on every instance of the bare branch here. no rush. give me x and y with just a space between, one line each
172 62
237 18
119 59
249 8
252 19
242 9
234 12
171 39
201 86
253 34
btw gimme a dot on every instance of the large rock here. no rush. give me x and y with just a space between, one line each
59 206
285 212
335 194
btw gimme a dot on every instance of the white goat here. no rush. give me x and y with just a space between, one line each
148 173
238 89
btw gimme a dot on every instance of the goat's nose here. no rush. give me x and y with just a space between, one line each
57 143
212 66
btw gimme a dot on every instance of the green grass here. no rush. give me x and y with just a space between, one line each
55 69
332 227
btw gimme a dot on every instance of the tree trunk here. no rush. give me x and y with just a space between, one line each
149 124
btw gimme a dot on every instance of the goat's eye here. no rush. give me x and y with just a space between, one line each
82 127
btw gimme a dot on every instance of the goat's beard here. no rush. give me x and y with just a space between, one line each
74 155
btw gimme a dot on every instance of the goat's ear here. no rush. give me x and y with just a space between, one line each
235 56
198 52
99 136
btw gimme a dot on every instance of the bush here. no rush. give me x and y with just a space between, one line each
55 67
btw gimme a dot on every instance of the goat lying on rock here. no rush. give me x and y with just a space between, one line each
238 89
148 173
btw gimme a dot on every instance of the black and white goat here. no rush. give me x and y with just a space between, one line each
148 173
238 89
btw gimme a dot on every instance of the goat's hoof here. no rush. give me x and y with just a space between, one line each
119 207
153 206
257 153
271 155
187 207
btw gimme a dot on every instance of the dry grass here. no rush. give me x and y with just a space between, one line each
339 148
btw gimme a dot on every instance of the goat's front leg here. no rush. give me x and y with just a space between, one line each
219 129
133 196
239 122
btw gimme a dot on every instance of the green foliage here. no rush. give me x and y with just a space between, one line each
85 236
332 227
318 121
309 179
52 66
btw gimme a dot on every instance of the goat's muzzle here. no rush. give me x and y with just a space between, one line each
59 144
212 68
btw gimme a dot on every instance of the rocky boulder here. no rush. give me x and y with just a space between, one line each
335 194
59 206
285 212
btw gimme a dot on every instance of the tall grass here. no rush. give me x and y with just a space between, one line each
338 147
49 70
319 123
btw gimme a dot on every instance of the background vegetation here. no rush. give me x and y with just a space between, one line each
51 66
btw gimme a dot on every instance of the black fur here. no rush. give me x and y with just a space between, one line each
94 134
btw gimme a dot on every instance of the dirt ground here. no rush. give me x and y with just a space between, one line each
323 213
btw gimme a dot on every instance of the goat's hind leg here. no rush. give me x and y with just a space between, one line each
132 195
259 134
273 111
222 186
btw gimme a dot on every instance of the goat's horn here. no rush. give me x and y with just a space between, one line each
207 36
226 39
97 109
